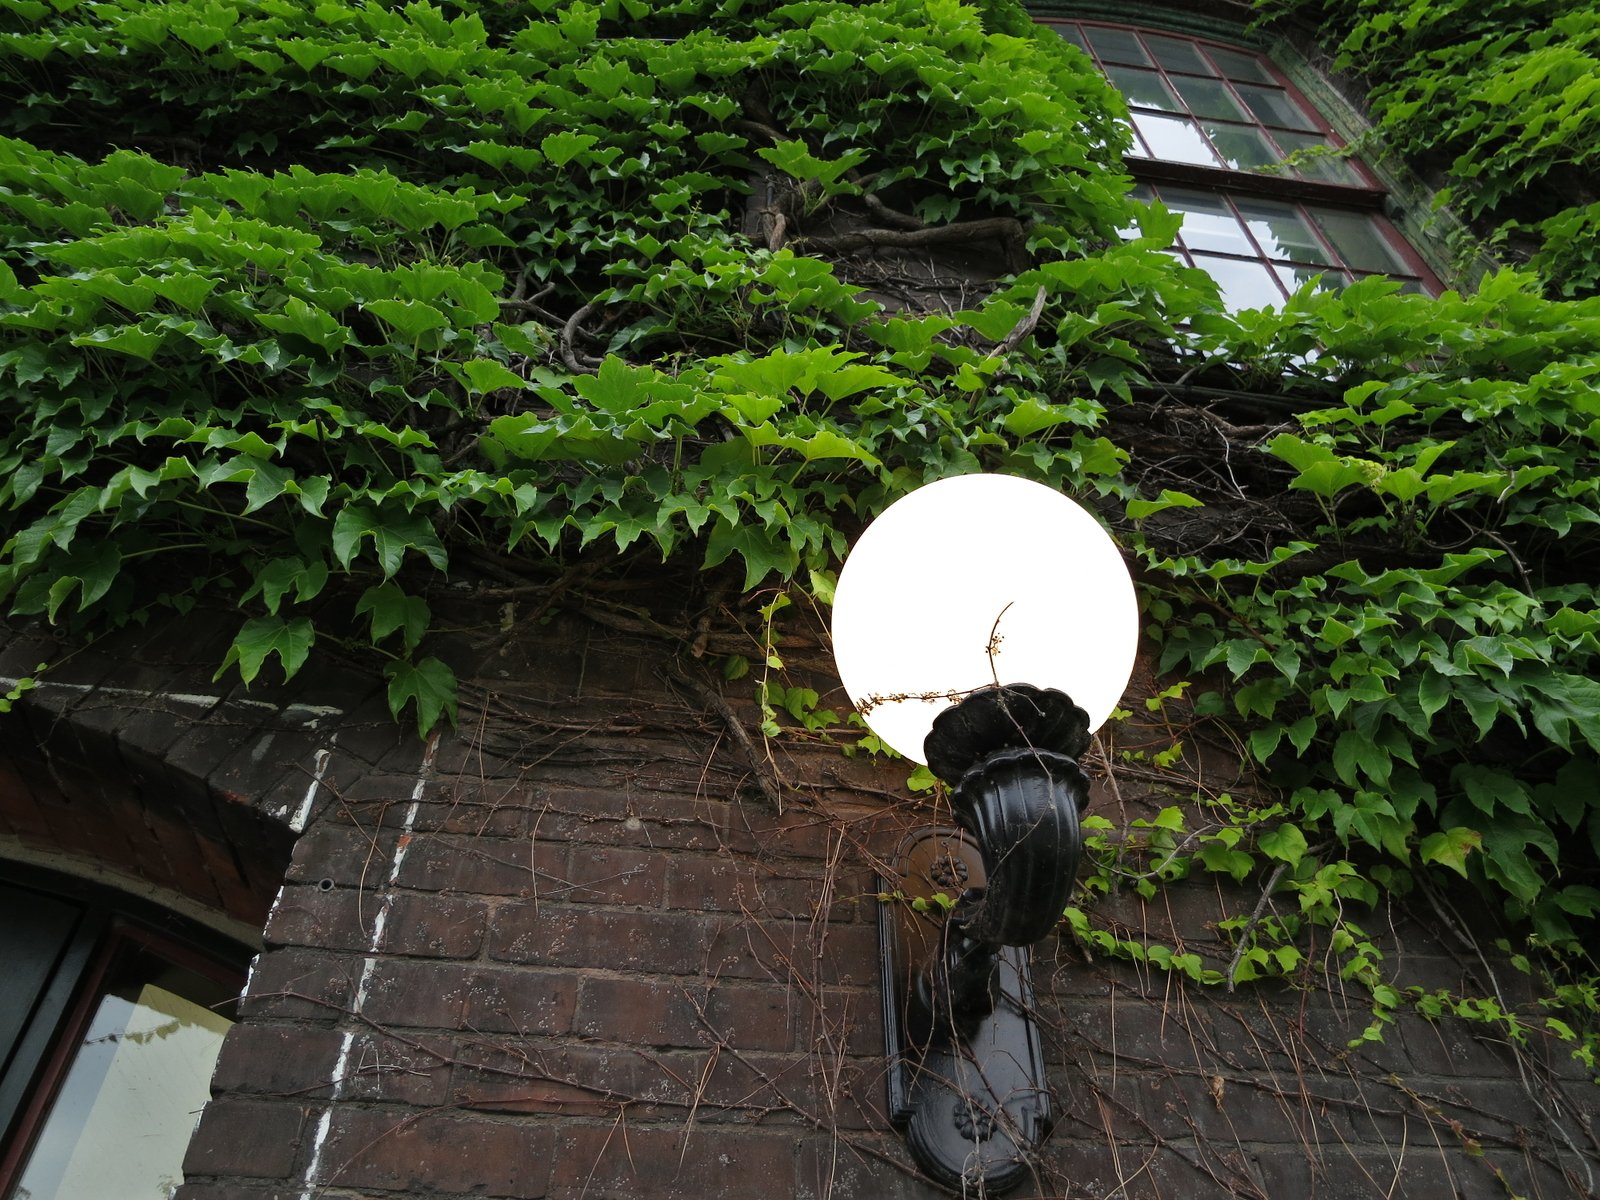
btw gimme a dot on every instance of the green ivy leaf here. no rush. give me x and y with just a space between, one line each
429 684
392 532
1286 844
1450 847
263 637
392 609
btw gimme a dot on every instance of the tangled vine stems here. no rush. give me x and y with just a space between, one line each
342 332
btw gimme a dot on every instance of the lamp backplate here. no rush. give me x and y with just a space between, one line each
974 1108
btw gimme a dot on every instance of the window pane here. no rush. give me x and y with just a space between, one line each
1236 64
1070 32
1208 222
1282 232
1175 138
1176 54
120 1124
1244 283
1209 98
1143 89
1324 167
1326 280
1244 147
1117 45
1272 106
1358 240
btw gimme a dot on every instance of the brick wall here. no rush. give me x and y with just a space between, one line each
572 950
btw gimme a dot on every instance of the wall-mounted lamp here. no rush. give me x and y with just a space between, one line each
952 598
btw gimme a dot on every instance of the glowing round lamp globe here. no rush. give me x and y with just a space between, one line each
973 580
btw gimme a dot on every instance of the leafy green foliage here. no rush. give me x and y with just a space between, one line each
1499 97
303 306
293 349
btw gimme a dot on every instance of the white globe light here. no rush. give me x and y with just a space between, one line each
978 579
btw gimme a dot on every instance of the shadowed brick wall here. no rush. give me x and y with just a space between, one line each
573 950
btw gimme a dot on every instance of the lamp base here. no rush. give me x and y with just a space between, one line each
972 1097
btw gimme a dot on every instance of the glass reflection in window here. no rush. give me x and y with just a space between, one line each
139 1075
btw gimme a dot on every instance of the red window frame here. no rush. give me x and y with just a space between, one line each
1315 209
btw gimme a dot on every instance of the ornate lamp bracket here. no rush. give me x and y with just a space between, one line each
967 1076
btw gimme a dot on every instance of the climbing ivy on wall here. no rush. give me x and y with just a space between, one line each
308 308
1497 100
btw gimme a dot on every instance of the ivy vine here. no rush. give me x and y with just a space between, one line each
310 308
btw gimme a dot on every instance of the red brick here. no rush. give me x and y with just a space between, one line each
615 1160
830 1170
375 799
581 801
649 1012
520 1001
19 805
181 850
149 862
755 1018
724 883
413 923
340 919
340 852
426 924
239 899
301 984
74 825
796 951
483 866
464 809
577 1080
800 1086
416 993
256 1138
418 1151
609 875
646 820
277 1060
300 1063
637 1012
567 935
412 1070
532 1092
799 832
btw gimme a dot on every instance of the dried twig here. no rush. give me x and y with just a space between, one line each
765 778
584 365
1023 327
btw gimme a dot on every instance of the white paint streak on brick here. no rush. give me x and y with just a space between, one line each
369 964
298 821
325 1122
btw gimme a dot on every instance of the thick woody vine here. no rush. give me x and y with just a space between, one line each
321 310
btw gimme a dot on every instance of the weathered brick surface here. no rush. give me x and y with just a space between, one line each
417 1151
246 1137
611 1160
573 954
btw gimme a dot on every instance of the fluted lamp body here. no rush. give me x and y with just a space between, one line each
984 625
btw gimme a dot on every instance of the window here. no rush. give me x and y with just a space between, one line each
109 1032
1213 126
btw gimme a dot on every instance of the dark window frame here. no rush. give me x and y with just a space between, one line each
1367 199
110 925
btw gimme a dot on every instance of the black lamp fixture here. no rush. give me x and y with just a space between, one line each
955 595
